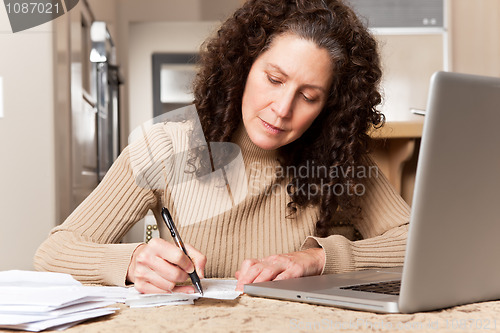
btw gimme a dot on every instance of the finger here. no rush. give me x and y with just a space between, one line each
246 264
169 271
184 289
198 258
268 273
250 269
145 287
285 275
147 281
158 272
152 282
156 284
148 288
152 260
172 254
272 267
177 257
290 266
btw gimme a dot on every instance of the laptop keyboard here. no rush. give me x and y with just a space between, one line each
385 287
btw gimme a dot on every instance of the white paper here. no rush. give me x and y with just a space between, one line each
135 299
76 317
50 296
212 288
35 301
36 279
30 310
117 294
66 325
219 289
160 301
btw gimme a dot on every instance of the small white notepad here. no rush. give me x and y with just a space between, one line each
212 288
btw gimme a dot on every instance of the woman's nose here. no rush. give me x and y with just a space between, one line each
283 105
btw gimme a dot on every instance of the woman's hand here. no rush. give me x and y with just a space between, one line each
281 267
158 266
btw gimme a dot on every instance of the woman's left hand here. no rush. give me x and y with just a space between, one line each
281 267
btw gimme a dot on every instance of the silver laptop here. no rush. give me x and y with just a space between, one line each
453 242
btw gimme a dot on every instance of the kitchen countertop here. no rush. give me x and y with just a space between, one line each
253 314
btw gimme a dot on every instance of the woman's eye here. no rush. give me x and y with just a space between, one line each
273 80
309 99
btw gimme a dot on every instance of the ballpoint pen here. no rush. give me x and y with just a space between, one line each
167 218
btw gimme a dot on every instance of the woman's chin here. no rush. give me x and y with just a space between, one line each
268 147
265 143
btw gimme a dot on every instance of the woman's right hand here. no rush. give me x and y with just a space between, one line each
156 267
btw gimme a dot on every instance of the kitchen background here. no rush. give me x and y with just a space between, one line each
48 92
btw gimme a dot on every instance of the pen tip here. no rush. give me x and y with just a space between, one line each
200 289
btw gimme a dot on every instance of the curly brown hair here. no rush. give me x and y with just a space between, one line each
337 138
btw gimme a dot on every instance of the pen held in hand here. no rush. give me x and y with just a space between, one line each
167 218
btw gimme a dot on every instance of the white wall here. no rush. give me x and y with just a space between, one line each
475 36
408 61
146 39
27 190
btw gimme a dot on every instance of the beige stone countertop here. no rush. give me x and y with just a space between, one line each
253 314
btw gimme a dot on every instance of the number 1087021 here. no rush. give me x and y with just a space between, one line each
33 8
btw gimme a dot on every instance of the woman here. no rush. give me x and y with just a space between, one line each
294 84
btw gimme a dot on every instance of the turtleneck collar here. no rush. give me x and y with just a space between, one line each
250 150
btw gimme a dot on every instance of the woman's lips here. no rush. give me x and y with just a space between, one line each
270 128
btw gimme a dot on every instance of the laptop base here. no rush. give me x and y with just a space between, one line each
326 290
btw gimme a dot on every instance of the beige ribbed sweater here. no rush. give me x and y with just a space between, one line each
254 225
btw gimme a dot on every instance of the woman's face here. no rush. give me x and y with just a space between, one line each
285 91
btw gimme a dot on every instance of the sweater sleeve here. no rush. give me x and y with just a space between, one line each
383 222
86 244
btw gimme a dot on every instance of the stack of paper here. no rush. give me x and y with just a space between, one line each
34 301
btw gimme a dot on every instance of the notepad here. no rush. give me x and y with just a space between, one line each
219 289
212 288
